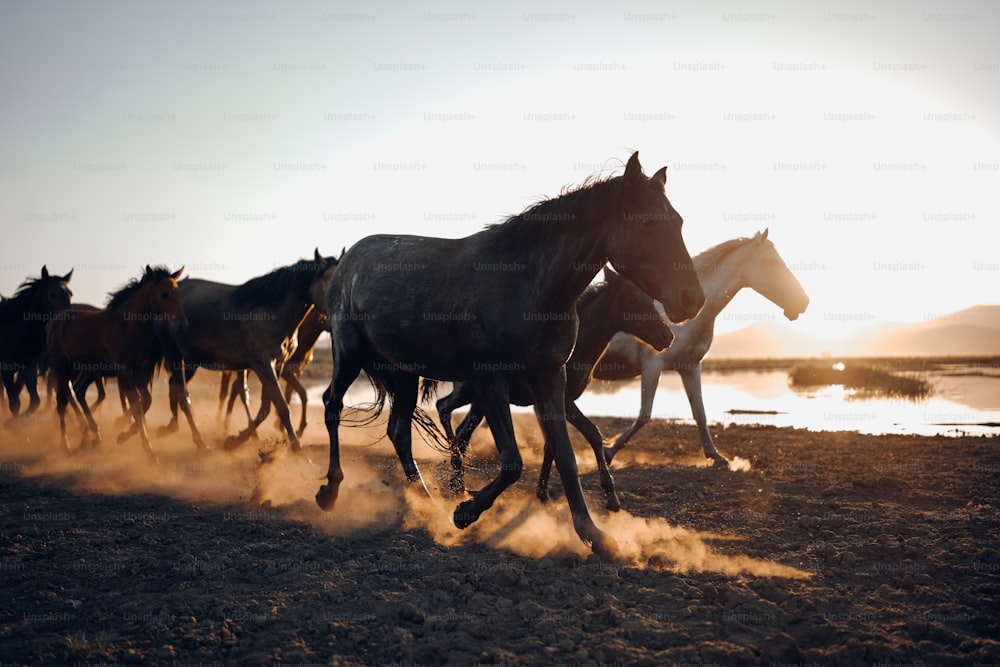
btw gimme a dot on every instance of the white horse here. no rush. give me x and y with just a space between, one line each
723 270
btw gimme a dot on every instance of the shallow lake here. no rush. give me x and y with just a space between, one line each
959 403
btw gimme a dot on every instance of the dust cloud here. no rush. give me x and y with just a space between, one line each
263 474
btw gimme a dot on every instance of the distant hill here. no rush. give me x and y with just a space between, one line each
973 331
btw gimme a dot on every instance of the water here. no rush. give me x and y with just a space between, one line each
958 405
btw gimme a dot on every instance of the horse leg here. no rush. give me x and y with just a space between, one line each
550 408
404 401
240 390
345 370
177 394
131 387
10 385
270 393
233 392
180 398
62 399
224 380
460 445
650 379
31 384
81 399
691 377
493 398
292 383
592 434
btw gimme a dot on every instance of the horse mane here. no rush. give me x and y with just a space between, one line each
592 292
272 287
19 301
710 258
586 196
116 299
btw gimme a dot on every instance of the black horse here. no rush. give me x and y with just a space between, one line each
497 309
232 327
604 310
22 333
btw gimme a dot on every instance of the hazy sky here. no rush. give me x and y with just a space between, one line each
235 137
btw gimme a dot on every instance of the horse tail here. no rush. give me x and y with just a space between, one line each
424 422
428 389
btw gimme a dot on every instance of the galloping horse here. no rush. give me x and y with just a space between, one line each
119 339
497 309
724 270
234 385
604 309
232 327
22 333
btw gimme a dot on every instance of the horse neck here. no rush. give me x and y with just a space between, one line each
290 311
597 327
566 260
720 284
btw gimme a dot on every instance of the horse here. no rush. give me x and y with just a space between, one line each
497 309
118 338
724 270
97 375
234 385
232 327
23 317
604 309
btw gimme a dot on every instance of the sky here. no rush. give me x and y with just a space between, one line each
235 137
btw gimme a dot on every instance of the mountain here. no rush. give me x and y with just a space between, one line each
973 331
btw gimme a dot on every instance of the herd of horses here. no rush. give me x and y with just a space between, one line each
509 315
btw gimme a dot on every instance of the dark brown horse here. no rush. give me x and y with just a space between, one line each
604 309
233 327
119 339
498 310
233 385
22 333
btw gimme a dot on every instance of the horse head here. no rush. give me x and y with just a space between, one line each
164 295
50 293
646 245
767 274
639 316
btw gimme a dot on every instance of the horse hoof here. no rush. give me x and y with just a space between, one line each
543 494
326 497
606 547
232 442
122 438
165 430
612 502
720 462
464 516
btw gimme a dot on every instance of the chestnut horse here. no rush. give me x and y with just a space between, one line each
118 339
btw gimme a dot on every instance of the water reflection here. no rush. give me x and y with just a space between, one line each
961 403
958 404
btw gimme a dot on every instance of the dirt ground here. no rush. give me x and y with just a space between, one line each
822 548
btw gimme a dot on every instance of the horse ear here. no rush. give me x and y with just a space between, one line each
763 237
68 276
177 274
316 256
148 269
661 177
45 271
633 170
343 249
